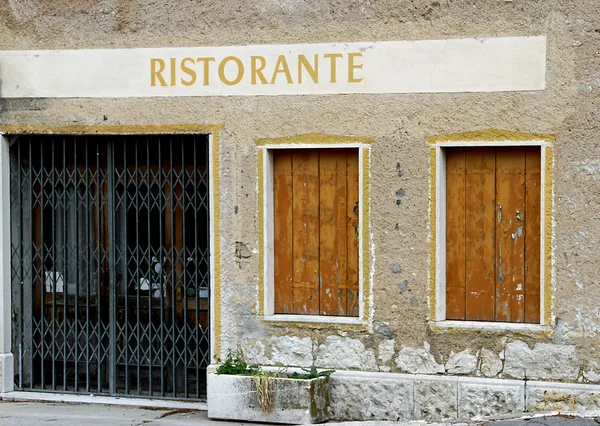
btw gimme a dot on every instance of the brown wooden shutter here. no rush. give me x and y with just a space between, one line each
493 234
316 237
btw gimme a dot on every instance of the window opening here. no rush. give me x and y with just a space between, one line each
493 234
316 211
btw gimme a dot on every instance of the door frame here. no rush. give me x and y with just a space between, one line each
212 130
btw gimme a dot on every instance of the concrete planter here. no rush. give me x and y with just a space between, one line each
295 401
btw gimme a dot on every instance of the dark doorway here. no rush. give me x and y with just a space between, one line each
110 264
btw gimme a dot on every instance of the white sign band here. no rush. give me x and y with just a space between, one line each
460 65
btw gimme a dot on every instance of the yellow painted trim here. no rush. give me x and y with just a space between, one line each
548 238
365 231
213 129
546 332
315 138
216 290
433 241
491 135
317 325
366 264
261 233
112 130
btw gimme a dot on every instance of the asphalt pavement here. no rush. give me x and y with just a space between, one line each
67 414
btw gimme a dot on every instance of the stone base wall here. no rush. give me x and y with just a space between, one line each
6 373
388 396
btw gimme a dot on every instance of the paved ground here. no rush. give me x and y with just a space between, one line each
547 421
39 413
59 414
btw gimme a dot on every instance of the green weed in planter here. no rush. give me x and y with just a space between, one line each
313 373
234 364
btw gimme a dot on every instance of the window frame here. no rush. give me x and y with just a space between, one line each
266 297
490 138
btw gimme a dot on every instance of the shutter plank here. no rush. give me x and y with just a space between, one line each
510 234
353 213
532 233
332 231
479 234
283 231
455 233
305 222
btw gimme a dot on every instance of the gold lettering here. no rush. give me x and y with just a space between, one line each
333 57
352 66
189 71
258 71
240 72
156 73
173 70
206 61
312 71
281 66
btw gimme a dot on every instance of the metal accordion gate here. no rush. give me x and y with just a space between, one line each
110 264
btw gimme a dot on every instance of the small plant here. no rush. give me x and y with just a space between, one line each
234 364
313 373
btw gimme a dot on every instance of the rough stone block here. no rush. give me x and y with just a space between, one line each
386 350
371 396
545 361
254 352
491 364
435 398
461 363
591 372
345 353
290 350
418 361
544 396
295 401
488 397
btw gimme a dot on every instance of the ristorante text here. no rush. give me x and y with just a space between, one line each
257 70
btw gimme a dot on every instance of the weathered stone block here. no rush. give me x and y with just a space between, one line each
386 350
290 350
371 396
544 396
295 401
544 361
418 361
461 363
254 352
435 398
591 372
345 353
491 364
488 397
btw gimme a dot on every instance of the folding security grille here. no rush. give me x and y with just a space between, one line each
110 264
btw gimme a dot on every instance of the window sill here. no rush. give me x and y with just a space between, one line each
446 326
313 319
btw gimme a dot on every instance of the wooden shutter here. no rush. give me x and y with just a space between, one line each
315 231
493 234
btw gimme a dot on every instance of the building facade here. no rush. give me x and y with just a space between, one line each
406 192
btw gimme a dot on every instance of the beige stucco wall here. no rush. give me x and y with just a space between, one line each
569 108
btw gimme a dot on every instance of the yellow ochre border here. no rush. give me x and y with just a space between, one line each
211 129
433 228
492 135
319 139
548 205
315 138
